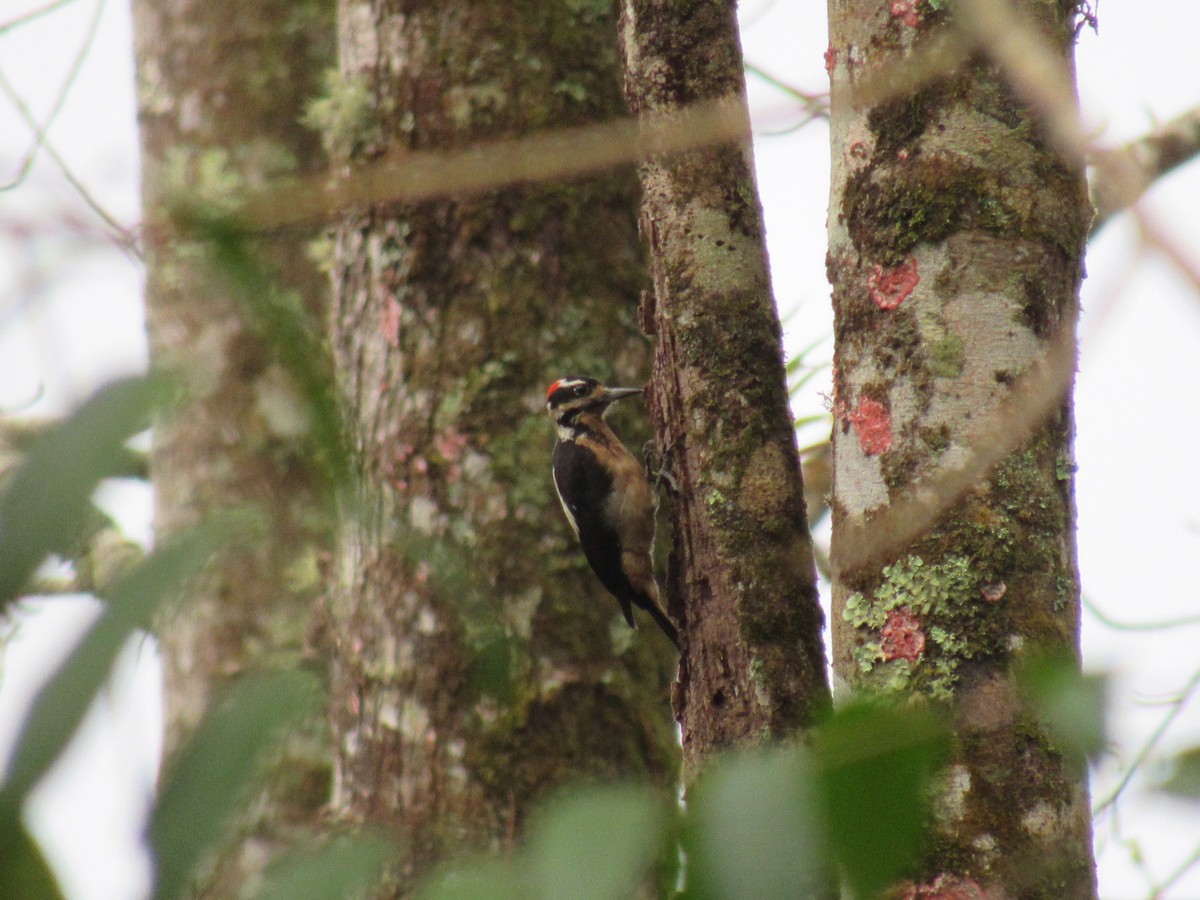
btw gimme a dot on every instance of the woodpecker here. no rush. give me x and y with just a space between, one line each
605 495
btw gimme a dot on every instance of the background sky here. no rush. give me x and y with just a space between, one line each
71 318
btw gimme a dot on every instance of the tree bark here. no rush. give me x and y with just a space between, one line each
477 662
221 88
741 582
956 243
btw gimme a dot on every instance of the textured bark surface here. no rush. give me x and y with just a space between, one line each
220 89
741 584
956 240
478 664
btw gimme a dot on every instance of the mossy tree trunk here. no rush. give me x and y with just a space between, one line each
477 663
956 239
741 582
221 87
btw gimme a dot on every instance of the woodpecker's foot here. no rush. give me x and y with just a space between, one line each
656 469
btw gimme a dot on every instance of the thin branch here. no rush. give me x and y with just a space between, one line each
40 129
26 17
549 156
815 104
1148 747
1118 625
1032 396
1149 158
1034 70
1182 869
120 234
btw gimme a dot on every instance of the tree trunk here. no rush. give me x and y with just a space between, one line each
477 662
741 582
221 88
956 243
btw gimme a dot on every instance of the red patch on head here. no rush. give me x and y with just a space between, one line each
554 387
890 287
902 635
873 424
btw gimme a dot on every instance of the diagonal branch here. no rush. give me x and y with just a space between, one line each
1148 158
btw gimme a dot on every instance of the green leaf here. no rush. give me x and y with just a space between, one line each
873 765
24 873
1068 704
212 776
752 830
62 703
596 844
292 333
486 879
1183 778
45 499
344 867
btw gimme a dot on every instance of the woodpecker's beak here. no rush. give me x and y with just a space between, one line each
612 395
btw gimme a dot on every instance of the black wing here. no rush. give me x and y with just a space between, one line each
583 484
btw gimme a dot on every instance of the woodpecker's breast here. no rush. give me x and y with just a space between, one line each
603 490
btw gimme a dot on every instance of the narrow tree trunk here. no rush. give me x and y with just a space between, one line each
221 87
477 662
956 240
741 583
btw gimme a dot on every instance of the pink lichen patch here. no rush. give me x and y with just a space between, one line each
830 60
950 887
873 424
994 591
902 635
907 11
391 321
450 444
890 287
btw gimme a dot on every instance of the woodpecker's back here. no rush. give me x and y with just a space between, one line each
605 495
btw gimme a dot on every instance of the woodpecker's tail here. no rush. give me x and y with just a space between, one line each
664 623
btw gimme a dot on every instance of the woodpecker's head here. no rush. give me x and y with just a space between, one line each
568 397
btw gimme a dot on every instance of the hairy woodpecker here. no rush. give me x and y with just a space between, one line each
606 495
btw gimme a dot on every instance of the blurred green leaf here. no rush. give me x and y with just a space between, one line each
45 499
1183 778
212 775
492 666
290 331
486 879
62 703
752 830
1069 704
344 868
24 874
592 844
595 844
873 765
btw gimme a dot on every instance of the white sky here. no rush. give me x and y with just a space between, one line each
70 318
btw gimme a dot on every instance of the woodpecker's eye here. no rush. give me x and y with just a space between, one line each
580 390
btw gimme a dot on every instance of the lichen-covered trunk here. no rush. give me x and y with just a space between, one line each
220 89
477 663
956 237
741 583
